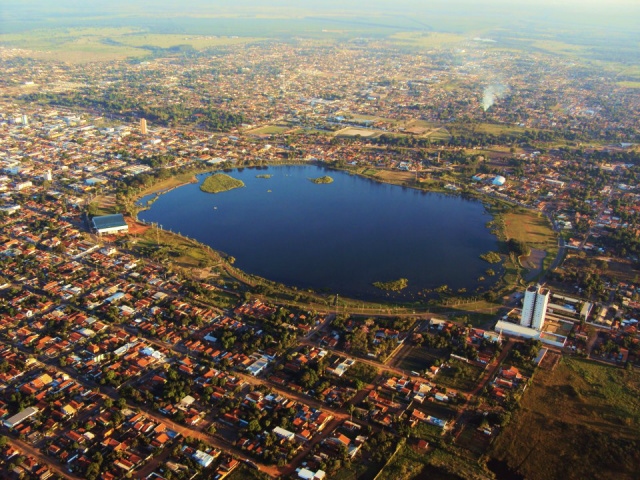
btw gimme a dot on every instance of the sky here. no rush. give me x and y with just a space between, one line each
625 14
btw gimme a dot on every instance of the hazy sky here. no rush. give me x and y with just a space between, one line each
606 13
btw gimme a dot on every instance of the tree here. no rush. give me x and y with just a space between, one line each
518 247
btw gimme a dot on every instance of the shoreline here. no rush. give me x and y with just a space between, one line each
495 287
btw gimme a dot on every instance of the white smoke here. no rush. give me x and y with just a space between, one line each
492 93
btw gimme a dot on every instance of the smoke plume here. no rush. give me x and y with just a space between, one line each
492 93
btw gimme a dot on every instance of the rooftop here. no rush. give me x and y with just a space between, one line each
109 221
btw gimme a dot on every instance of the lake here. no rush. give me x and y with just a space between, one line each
338 237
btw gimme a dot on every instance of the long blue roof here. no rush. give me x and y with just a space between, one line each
109 221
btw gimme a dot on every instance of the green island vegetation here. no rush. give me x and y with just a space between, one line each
220 182
394 285
324 179
579 420
264 176
491 257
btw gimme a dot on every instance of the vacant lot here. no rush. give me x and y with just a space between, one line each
447 463
393 176
357 132
534 229
459 376
581 420
417 359
531 228
169 183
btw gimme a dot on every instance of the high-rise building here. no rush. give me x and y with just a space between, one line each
48 176
143 126
25 120
534 307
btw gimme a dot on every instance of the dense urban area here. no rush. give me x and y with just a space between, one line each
130 351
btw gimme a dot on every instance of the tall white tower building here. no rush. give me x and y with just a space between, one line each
534 307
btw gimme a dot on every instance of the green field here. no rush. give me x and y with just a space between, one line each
581 420
629 84
219 182
487 129
269 130
81 45
533 229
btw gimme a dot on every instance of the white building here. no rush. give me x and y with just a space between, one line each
20 417
534 307
108 224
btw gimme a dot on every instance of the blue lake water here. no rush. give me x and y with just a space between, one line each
338 237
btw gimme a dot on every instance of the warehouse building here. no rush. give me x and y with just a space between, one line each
107 224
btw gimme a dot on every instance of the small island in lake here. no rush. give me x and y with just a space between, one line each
264 176
395 285
491 257
220 182
325 179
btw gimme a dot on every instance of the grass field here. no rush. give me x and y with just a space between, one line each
198 42
245 473
417 359
269 130
182 252
170 182
533 229
581 420
357 132
459 376
479 314
81 45
389 175
488 128
629 84
439 464
428 40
